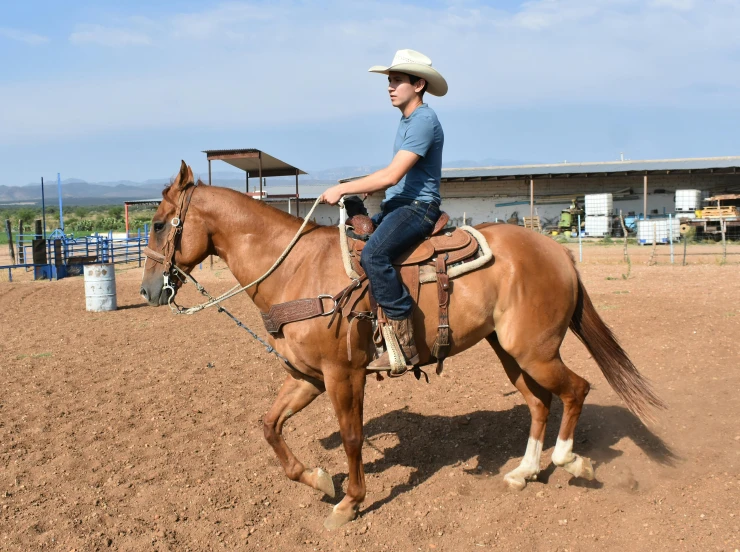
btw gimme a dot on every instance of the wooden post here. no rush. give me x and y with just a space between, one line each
624 231
652 260
531 199
37 228
685 243
644 198
21 253
210 183
11 248
722 227
259 161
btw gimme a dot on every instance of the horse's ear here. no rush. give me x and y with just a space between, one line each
185 177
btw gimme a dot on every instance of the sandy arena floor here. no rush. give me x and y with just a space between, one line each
138 430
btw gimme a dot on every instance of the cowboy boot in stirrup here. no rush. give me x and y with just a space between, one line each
400 353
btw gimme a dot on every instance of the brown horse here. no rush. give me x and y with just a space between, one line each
522 303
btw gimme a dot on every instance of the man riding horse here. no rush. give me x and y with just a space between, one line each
412 199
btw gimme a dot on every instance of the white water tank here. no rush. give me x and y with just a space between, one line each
599 204
598 227
688 200
100 287
660 228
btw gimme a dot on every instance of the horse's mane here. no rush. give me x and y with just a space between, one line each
167 187
274 211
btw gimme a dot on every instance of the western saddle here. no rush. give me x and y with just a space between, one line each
428 261
446 246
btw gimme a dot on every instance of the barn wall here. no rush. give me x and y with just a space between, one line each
492 200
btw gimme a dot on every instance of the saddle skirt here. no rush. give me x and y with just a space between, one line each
464 250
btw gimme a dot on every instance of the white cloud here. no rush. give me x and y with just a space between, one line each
107 36
23 36
231 20
242 65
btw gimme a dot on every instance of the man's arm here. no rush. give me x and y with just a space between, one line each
375 182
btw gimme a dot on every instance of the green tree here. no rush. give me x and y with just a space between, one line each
27 215
116 212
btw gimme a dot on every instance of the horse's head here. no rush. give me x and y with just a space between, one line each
176 244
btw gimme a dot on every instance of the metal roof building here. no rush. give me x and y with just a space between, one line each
699 165
641 186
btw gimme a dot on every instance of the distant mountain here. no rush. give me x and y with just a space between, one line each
80 192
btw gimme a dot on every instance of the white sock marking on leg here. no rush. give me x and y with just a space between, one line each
530 464
563 453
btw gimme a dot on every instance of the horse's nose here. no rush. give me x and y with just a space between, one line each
144 293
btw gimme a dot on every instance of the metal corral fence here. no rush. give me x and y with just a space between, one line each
660 240
63 255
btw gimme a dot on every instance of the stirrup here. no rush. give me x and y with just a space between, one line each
396 358
397 365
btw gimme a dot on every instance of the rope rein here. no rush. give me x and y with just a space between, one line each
167 259
237 289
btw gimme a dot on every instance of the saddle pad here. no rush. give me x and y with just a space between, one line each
453 272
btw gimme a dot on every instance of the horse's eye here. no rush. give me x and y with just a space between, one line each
158 226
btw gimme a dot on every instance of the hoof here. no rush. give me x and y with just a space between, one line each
337 518
515 482
324 483
580 467
587 469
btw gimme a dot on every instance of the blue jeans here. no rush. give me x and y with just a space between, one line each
400 226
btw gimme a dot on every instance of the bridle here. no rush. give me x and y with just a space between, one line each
173 274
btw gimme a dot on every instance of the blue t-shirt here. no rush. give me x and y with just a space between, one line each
420 133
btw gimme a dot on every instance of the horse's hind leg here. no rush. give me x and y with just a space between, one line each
293 397
572 389
538 400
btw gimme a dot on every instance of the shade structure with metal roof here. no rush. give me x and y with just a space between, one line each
255 163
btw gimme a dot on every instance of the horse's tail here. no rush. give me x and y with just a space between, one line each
616 366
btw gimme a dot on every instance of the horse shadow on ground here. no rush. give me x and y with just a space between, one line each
426 444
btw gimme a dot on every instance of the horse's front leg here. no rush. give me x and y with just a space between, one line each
293 397
346 390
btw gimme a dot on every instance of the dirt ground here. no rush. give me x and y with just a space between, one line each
139 430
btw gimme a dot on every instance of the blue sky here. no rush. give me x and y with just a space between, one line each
123 90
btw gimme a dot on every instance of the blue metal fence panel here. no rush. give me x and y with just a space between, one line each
79 251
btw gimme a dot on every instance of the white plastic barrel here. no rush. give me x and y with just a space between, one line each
100 287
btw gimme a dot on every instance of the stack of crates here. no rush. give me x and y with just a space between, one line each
599 209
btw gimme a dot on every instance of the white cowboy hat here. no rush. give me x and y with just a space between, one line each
415 63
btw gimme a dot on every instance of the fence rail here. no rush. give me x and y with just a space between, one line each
65 255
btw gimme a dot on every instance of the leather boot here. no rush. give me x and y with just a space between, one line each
404 333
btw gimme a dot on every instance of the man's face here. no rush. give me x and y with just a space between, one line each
401 90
